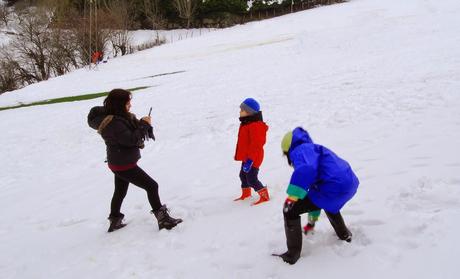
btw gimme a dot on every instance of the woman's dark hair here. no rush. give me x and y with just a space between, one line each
116 101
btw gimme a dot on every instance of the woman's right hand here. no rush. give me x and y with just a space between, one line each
147 119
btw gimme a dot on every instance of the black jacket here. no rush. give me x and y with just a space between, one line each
123 136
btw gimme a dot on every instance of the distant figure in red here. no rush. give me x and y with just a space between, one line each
97 57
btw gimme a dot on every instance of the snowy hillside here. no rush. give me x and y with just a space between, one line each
376 81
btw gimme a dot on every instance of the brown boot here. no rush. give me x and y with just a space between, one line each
263 193
116 222
245 193
164 220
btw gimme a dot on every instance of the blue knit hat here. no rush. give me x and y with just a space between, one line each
250 105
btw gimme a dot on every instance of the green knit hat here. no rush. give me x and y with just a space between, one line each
286 142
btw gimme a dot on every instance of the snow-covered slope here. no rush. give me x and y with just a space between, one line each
376 81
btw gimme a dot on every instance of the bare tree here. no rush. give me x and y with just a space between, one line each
64 40
85 38
5 15
89 39
64 51
31 46
118 24
152 10
38 51
186 9
121 42
8 76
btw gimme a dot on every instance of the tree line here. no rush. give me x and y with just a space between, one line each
169 14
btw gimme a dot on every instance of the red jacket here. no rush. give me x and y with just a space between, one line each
251 141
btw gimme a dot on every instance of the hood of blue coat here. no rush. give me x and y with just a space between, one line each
300 136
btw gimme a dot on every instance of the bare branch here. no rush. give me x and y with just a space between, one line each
5 15
186 9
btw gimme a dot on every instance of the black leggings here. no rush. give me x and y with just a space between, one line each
139 178
250 179
306 205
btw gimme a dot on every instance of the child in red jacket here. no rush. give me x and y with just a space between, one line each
250 149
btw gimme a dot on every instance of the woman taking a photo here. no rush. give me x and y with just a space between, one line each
124 136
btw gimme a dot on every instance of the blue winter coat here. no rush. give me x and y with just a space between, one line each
328 180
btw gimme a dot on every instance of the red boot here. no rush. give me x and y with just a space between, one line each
263 193
245 193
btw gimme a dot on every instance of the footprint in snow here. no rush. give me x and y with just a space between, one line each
408 244
416 229
371 160
344 249
244 266
353 212
421 158
399 172
419 165
370 222
71 222
410 146
367 177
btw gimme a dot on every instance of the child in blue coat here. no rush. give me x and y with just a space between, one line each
321 180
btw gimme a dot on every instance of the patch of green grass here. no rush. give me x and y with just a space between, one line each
68 99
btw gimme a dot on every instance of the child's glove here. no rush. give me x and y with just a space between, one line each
289 204
247 165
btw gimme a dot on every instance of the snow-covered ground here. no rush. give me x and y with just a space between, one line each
376 81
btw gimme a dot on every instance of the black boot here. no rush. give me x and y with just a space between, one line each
293 232
116 222
339 226
164 220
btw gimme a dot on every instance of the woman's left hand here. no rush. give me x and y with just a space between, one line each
147 119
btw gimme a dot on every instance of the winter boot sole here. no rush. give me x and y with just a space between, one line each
241 199
291 262
116 228
170 227
259 202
